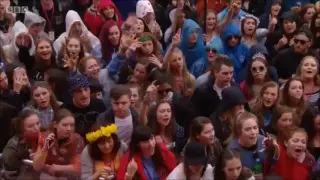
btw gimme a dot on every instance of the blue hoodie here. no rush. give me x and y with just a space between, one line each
196 57
216 44
238 54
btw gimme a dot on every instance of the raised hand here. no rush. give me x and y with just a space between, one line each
176 39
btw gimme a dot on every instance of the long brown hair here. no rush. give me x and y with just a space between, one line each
170 130
286 99
63 50
280 110
188 81
257 106
39 64
53 100
19 120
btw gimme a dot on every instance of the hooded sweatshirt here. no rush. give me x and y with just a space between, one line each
94 20
71 18
196 57
238 54
11 51
216 44
31 18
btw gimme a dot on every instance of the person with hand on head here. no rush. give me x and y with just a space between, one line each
59 149
146 159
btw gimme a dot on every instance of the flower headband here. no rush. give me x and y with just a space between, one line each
250 16
104 131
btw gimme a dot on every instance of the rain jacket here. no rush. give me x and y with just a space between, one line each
11 51
71 18
31 18
196 57
239 54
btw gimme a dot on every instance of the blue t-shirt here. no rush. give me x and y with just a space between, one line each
149 169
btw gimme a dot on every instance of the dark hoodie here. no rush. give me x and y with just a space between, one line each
274 37
265 17
231 97
238 54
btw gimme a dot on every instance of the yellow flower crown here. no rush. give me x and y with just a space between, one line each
103 131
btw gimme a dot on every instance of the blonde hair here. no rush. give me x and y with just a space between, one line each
188 81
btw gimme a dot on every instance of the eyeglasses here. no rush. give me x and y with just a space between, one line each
211 50
164 91
257 69
302 42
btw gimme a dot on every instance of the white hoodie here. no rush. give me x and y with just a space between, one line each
71 18
11 51
31 18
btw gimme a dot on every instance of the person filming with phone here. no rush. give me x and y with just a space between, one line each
59 151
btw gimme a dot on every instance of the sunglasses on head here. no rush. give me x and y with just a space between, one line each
302 42
257 69
164 91
211 50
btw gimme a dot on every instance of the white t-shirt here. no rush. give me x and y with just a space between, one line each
125 128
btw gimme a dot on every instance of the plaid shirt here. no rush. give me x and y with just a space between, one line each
46 117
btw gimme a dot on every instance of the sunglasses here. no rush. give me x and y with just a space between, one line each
302 42
257 69
211 50
164 91
233 37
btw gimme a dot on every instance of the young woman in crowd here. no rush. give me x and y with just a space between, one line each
294 161
43 59
109 11
282 118
71 52
311 123
7 21
306 14
293 97
165 128
202 131
59 149
140 27
101 157
315 29
250 32
44 102
257 75
231 168
180 79
308 72
21 145
195 164
250 143
109 37
212 27
264 105
146 159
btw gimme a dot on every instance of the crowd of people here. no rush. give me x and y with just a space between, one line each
96 90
